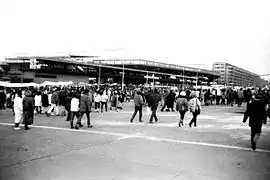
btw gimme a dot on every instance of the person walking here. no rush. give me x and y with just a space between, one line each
85 108
104 101
195 109
181 107
256 112
38 102
54 102
44 101
153 101
97 97
68 104
138 102
28 109
18 110
74 108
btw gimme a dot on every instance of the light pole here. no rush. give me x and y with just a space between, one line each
99 74
123 75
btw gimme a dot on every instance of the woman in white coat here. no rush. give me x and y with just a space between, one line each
18 109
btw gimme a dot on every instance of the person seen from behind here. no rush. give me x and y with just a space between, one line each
28 109
195 108
181 107
18 110
256 112
138 102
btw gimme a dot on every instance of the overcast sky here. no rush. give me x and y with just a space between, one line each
180 32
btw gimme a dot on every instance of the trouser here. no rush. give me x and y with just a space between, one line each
154 114
106 106
255 136
218 99
80 118
137 108
38 109
182 114
194 119
72 115
223 101
164 105
97 105
240 100
53 107
68 115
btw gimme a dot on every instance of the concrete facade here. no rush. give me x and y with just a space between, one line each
233 75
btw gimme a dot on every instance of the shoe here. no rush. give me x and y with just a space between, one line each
141 121
26 128
17 128
150 122
71 127
131 121
253 145
90 126
189 124
80 125
179 124
77 127
156 120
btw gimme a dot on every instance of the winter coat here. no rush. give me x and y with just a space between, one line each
170 100
181 104
55 98
28 110
18 109
194 104
256 113
85 103
154 99
44 100
138 100
38 101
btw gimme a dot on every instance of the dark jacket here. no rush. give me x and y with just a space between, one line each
28 110
45 100
154 99
55 98
68 102
181 104
256 113
85 103
138 100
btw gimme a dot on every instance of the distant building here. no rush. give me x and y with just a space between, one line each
235 76
83 68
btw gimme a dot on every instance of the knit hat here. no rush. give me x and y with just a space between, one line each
183 93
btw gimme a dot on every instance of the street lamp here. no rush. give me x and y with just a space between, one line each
123 75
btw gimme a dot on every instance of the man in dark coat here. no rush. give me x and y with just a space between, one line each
67 105
256 112
154 99
28 110
85 108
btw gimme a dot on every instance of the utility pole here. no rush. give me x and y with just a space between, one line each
123 76
99 74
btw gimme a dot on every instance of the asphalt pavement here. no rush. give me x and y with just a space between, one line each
114 149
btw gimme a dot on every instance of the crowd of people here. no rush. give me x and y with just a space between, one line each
76 101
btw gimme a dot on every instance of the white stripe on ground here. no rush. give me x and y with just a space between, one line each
128 136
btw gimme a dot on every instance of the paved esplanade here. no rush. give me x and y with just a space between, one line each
219 148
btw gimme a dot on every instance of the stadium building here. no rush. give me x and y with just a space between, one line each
82 68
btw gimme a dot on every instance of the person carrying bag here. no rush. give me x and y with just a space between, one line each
195 109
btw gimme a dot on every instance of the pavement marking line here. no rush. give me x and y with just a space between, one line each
152 138
74 130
